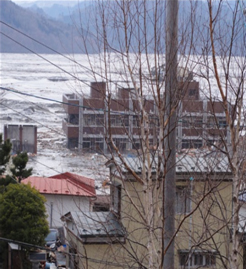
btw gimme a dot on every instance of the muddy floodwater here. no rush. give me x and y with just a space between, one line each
33 77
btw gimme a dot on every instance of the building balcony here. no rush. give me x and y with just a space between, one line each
71 103
70 130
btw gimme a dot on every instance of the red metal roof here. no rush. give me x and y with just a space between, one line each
63 185
84 182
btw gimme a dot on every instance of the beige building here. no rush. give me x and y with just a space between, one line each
121 238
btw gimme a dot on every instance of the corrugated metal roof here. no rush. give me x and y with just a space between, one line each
64 186
84 182
242 197
90 224
193 162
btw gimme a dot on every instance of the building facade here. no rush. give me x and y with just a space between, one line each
91 119
63 192
22 136
203 205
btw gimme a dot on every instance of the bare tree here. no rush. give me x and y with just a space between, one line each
132 64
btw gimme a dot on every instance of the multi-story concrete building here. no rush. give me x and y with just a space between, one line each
91 119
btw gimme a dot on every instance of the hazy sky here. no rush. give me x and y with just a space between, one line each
30 1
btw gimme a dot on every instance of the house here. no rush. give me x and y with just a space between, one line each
203 205
22 136
201 122
63 192
242 223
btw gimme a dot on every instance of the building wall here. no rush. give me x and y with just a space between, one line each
200 122
22 137
58 205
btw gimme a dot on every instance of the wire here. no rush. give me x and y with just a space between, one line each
57 52
94 72
45 59
19 113
66 103
35 121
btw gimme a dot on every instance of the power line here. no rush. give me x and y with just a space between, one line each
57 52
65 103
45 59
18 112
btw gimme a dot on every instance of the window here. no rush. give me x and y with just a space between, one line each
120 143
186 121
222 122
196 143
182 199
211 122
197 259
135 121
197 122
119 121
116 198
192 92
94 120
73 119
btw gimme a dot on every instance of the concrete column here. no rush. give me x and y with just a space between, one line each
20 137
105 127
130 111
180 126
81 123
205 123
35 150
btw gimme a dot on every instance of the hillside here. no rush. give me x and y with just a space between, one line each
55 34
63 28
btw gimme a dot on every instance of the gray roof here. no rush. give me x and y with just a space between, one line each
194 162
242 196
90 224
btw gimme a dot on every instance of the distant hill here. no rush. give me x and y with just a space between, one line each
55 34
56 11
69 29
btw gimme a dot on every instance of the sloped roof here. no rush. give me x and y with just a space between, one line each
82 181
186 163
62 185
95 225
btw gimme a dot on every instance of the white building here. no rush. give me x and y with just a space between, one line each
64 192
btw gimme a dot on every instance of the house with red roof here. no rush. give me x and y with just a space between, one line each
64 192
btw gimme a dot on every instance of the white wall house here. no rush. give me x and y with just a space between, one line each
64 192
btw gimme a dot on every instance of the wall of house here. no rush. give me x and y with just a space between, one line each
242 217
207 229
59 205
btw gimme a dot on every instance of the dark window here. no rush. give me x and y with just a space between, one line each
93 120
197 259
222 122
186 122
116 198
183 258
74 119
135 121
197 122
119 121
100 207
182 199
192 92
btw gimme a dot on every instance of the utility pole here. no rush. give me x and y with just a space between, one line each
170 131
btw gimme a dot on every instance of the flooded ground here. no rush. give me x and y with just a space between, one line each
31 77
